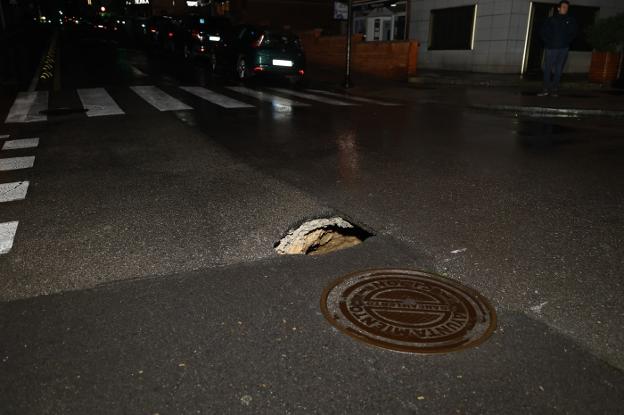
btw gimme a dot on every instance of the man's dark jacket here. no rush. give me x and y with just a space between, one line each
559 31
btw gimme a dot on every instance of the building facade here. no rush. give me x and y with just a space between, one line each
497 36
381 20
295 14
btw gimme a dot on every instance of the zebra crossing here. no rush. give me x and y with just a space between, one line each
13 191
30 106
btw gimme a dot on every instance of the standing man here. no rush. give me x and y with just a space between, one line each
557 32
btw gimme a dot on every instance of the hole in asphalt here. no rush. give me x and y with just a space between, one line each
321 236
57 112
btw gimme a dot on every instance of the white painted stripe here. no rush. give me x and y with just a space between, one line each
3 136
98 102
19 144
276 101
137 72
354 98
27 106
213 97
159 99
7 234
16 163
13 191
311 97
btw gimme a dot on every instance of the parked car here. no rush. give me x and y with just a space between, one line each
162 32
203 36
256 51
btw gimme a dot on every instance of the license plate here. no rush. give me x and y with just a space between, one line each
279 62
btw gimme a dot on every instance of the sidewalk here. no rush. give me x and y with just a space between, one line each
504 92
493 92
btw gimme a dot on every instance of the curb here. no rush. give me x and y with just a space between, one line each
586 86
553 112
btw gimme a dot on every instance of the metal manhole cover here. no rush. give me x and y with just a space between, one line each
408 311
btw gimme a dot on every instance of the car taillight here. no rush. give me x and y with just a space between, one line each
301 72
170 34
258 43
197 34
153 29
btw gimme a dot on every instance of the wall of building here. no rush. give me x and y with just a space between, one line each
500 35
392 60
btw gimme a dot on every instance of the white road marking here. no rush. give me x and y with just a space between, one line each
98 102
354 98
312 97
276 101
213 97
27 106
159 99
3 136
137 72
16 163
19 144
7 234
13 191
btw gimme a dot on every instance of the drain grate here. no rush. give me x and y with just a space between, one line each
408 311
58 112
321 236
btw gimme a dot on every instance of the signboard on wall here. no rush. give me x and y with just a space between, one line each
341 10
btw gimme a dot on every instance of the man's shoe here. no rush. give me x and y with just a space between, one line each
543 94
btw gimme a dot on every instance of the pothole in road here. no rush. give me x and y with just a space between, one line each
321 236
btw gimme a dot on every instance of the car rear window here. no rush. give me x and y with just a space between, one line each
280 40
207 23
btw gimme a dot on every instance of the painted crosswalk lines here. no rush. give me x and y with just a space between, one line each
7 235
16 163
98 102
313 97
13 191
275 100
10 192
159 99
27 107
355 98
20 144
217 99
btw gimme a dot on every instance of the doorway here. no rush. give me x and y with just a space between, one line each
379 28
535 49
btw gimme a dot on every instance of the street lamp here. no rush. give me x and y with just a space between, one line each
347 81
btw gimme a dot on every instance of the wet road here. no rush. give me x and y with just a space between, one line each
158 227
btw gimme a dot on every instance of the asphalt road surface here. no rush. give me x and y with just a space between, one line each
139 274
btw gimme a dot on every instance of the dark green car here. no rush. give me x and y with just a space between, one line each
256 51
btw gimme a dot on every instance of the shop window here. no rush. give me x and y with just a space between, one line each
452 28
585 17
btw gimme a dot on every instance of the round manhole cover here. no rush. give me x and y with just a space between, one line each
408 311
